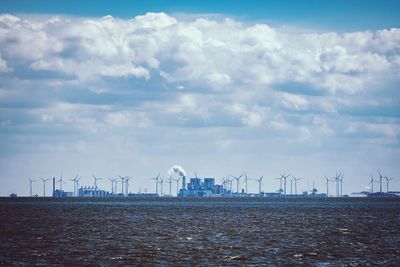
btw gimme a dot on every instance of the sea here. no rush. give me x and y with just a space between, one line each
199 232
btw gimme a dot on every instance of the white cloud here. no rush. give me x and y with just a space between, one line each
3 65
216 54
292 101
387 129
157 83
252 117
128 119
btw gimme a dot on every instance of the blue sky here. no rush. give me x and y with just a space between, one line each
339 14
220 88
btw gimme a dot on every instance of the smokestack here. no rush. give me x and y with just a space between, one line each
178 170
54 185
183 182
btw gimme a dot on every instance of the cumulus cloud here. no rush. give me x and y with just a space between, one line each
174 84
233 70
3 65
203 52
296 102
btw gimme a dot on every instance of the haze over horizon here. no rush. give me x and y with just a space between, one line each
301 88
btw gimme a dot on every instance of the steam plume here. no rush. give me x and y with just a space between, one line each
177 170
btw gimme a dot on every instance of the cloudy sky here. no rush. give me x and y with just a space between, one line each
255 86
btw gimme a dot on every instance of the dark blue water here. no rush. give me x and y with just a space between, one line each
237 231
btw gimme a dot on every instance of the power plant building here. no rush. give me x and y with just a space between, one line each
92 192
198 188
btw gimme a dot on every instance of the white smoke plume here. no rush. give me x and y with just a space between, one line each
176 169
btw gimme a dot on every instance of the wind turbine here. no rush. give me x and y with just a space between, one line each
283 177
170 184
122 184
225 185
380 181
327 185
44 185
237 182
157 179
295 183
338 182
372 184
245 181
314 190
387 183
341 183
291 186
112 184
229 185
127 178
259 180
61 183
75 180
161 185
30 186
116 186
95 180
77 186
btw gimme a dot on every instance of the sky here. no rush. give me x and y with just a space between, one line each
306 88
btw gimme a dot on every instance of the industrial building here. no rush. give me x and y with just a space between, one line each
92 191
201 188
62 193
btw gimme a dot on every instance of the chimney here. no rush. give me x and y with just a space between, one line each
54 185
183 182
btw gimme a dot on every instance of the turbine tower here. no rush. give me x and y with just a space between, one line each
161 186
380 181
295 184
338 183
327 185
372 184
259 180
341 183
75 180
170 185
237 182
77 186
291 186
245 181
387 183
127 178
116 186
157 181
283 177
61 183
124 180
95 180
230 181
122 184
30 186
112 184
44 185
314 190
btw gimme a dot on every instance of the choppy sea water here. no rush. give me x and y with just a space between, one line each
205 232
